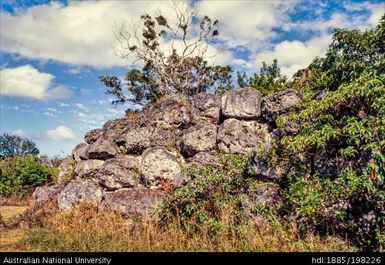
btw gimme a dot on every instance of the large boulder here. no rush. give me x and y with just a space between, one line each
198 139
159 165
206 108
79 191
66 170
46 193
120 172
80 152
115 130
132 202
87 168
139 139
93 135
168 113
277 103
103 149
239 136
242 103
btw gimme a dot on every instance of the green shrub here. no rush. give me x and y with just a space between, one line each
19 173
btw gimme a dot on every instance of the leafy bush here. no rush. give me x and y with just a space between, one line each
20 173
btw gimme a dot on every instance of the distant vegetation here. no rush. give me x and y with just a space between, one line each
14 145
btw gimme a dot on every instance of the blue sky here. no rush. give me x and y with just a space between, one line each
53 52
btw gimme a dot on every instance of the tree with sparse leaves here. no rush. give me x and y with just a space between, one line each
14 145
175 57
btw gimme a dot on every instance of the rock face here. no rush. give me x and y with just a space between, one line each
132 202
277 103
87 168
93 135
103 149
168 113
139 139
79 191
239 137
206 108
80 152
199 139
242 103
66 169
159 164
46 193
120 172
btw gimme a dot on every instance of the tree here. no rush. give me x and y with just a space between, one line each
14 145
269 79
175 57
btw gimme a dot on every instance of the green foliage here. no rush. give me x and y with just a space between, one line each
19 173
269 79
13 145
213 193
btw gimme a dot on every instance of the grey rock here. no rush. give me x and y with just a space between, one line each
242 103
103 149
206 108
79 191
139 139
277 103
120 172
239 136
87 168
203 159
46 193
132 202
66 170
168 113
93 135
198 139
180 180
158 165
80 152
260 169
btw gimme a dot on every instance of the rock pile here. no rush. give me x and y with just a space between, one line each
129 163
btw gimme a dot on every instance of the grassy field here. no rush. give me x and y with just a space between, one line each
87 229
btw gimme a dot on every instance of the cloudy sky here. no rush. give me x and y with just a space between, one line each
52 53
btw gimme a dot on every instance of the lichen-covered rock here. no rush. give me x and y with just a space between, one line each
203 159
242 103
66 170
132 202
239 136
120 172
139 139
277 103
159 164
93 135
46 193
168 113
198 139
87 168
180 180
260 169
103 149
80 152
206 108
79 191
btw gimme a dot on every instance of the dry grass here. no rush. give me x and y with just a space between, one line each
86 229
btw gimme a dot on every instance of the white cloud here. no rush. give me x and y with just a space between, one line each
61 133
20 132
50 114
26 81
81 106
64 105
52 109
294 55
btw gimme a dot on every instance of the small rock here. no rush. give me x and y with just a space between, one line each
242 103
103 149
206 108
159 164
78 191
46 193
132 202
203 159
198 139
120 172
180 180
87 168
239 137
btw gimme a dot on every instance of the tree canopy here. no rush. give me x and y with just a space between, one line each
14 145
